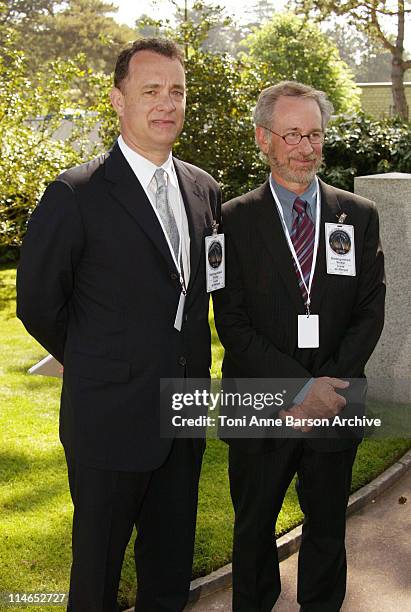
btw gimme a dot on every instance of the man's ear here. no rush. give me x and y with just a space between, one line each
117 100
262 139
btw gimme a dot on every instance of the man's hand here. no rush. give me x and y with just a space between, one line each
321 401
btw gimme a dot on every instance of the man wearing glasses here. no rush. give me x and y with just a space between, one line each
304 299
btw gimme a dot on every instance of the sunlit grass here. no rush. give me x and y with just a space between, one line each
35 506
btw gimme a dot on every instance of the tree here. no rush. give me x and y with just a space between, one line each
260 11
31 154
375 67
19 11
218 133
366 57
369 15
215 29
47 29
289 48
147 27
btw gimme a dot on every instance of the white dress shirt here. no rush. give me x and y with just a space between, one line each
144 170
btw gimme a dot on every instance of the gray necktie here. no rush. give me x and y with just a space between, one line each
164 210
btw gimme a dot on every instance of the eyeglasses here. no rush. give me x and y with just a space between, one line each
294 138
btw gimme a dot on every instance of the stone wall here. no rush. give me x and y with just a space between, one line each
389 369
376 98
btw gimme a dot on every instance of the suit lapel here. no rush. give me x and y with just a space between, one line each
270 227
127 190
198 211
272 232
330 211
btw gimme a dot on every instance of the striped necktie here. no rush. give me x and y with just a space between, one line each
302 236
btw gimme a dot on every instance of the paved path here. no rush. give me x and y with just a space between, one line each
379 560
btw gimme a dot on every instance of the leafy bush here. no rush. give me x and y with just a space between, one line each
289 47
218 134
31 153
360 145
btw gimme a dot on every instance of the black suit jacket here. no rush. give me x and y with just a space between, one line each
97 287
256 314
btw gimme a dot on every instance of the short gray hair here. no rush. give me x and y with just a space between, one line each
264 110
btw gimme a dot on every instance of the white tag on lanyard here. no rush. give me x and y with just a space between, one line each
178 323
308 324
308 331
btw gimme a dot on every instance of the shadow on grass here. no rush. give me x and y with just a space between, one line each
34 498
22 369
30 381
47 471
13 464
8 295
10 265
7 288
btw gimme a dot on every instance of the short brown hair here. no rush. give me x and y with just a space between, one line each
265 108
162 46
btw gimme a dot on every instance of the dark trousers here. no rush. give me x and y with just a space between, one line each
162 504
258 483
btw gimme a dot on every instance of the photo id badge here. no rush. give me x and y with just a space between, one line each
308 331
340 249
215 262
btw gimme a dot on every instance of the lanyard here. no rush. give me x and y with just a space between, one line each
290 242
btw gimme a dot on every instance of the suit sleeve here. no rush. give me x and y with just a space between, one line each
251 351
50 252
367 318
214 194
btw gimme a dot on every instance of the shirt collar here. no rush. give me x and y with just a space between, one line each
143 168
288 197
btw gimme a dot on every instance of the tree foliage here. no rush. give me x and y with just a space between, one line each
218 133
360 145
63 30
31 153
260 11
365 56
15 12
84 26
289 48
370 15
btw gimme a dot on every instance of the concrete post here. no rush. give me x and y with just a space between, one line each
389 369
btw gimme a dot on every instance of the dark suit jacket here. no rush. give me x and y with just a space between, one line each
256 314
97 287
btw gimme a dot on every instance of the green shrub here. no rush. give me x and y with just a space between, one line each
289 47
360 145
31 155
218 134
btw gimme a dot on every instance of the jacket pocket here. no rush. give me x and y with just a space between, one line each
98 368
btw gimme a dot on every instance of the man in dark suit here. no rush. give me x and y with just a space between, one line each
290 311
111 282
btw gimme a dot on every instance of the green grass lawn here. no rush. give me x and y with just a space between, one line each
35 506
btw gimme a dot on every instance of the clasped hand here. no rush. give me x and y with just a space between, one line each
321 402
